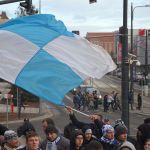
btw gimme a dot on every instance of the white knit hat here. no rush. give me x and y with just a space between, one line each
127 144
10 135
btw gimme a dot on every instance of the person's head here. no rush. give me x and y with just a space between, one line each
51 133
46 122
79 138
106 121
143 133
27 127
127 146
11 138
147 144
32 141
94 145
26 119
121 133
108 132
87 133
76 139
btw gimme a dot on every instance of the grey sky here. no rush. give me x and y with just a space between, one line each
105 15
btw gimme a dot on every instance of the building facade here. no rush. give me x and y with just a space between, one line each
104 39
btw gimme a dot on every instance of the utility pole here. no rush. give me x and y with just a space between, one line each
131 66
125 67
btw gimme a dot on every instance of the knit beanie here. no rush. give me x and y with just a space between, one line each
119 122
120 130
107 128
86 129
10 135
127 144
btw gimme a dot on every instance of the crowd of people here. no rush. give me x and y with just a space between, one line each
99 134
90 101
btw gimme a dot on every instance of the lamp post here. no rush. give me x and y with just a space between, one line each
125 67
131 67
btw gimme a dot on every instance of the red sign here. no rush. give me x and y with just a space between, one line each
141 32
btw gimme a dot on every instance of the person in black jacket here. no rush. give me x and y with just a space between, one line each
69 129
77 139
95 126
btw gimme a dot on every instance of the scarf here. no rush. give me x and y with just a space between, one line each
113 141
8 148
52 145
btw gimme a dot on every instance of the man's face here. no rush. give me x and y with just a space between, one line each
51 136
123 137
88 136
33 143
44 125
110 135
79 140
147 145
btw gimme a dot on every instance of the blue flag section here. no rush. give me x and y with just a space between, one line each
38 54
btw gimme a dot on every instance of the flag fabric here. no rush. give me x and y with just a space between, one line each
38 54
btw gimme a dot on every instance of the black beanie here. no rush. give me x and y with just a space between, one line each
120 130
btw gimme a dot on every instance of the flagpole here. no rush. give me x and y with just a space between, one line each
78 111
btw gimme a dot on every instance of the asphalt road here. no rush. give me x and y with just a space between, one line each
61 118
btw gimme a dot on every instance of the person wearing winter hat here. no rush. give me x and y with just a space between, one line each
127 146
11 140
121 134
121 127
108 141
77 139
23 130
54 141
88 137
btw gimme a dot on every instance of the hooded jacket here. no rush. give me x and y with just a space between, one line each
127 144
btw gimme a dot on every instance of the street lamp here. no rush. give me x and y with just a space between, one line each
131 67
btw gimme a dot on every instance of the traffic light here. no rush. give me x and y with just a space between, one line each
92 1
27 5
76 32
121 34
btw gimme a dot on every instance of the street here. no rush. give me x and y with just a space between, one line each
61 118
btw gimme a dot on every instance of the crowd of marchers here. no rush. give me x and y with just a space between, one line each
99 134
86 101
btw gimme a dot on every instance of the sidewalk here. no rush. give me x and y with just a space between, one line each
28 112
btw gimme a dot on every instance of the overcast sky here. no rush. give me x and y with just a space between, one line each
103 16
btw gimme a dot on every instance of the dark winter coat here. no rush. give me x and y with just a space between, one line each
95 127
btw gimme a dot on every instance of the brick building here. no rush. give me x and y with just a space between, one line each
104 39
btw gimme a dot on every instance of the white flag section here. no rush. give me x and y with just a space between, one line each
38 54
